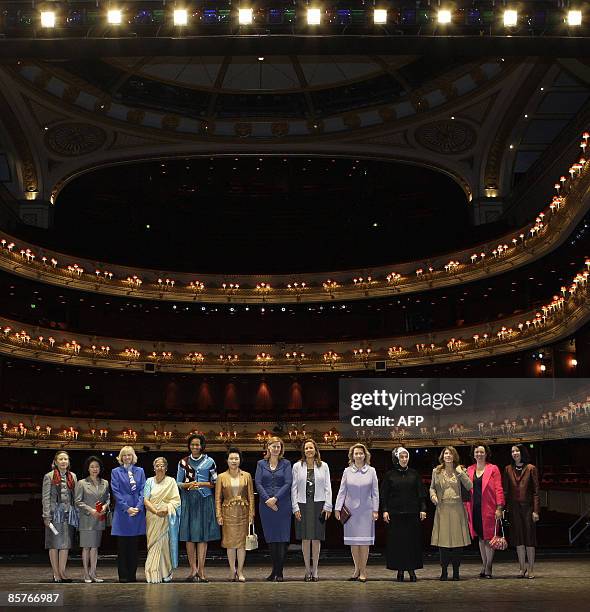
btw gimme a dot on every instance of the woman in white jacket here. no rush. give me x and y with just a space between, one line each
311 495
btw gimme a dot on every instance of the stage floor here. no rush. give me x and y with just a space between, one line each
560 584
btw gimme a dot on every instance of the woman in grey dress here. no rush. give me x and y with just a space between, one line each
311 496
59 513
92 500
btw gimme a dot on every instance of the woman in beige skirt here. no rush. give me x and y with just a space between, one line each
450 531
234 509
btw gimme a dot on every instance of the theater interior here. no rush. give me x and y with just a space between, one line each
212 225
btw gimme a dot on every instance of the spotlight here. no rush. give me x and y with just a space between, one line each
574 18
180 17
245 16
114 16
444 16
380 16
510 18
314 16
47 19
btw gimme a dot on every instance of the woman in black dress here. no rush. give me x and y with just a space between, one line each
403 504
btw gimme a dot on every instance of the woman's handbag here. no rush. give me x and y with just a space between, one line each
251 538
499 542
344 515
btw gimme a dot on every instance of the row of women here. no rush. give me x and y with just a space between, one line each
193 507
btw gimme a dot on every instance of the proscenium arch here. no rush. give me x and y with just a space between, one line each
459 179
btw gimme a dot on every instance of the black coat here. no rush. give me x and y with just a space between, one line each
402 492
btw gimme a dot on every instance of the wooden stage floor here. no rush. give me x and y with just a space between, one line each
560 585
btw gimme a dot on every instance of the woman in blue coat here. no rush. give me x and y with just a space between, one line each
127 483
274 476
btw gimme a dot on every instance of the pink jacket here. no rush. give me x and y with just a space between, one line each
492 495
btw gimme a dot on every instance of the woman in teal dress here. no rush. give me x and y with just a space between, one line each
196 477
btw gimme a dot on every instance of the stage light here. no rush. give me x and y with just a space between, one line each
574 18
380 16
444 16
114 16
314 16
47 19
510 17
245 16
180 17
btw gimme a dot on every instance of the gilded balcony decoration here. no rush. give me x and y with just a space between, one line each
562 314
507 252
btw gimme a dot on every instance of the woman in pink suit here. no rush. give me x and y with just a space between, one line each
485 505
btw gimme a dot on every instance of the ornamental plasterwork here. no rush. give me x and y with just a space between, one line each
446 136
57 83
74 139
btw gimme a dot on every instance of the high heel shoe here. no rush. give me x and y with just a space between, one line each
412 576
95 579
307 578
88 580
241 579
522 573
400 575
270 578
57 580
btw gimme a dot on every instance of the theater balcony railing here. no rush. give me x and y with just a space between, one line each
550 228
565 312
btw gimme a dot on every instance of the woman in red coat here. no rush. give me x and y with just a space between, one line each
485 505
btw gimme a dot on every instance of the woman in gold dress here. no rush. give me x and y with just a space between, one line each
234 508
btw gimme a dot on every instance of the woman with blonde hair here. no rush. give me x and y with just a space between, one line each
450 531
311 495
127 484
273 483
358 497
162 502
59 513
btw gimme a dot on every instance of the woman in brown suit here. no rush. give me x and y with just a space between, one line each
450 531
234 508
521 487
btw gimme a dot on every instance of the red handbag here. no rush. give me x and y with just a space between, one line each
499 542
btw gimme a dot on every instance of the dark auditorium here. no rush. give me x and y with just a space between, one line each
295 291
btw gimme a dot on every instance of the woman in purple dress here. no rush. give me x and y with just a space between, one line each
359 493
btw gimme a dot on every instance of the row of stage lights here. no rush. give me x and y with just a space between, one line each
245 16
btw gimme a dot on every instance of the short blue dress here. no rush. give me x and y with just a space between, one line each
197 519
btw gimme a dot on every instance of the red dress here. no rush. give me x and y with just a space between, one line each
492 495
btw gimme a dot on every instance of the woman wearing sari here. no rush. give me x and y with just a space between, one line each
162 502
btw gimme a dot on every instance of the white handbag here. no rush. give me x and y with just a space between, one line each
251 538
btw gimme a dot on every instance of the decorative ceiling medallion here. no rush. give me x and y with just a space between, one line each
446 136
73 139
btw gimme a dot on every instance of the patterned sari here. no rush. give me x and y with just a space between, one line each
162 531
